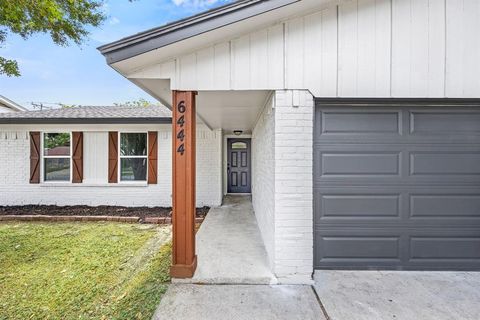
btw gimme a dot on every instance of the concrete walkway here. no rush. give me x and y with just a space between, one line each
399 295
239 302
233 280
230 248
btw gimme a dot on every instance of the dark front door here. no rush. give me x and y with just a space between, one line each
238 166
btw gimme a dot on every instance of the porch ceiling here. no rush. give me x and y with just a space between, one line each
231 110
227 110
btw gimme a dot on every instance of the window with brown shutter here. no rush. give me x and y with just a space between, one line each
34 157
152 157
113 157
77 157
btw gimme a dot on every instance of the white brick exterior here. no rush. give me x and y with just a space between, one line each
263 178
15 167
282 184
294 112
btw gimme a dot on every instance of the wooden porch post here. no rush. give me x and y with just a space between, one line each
183 219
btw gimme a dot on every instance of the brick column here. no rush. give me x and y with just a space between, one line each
294 110
183 218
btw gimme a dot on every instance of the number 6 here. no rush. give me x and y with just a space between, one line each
181 107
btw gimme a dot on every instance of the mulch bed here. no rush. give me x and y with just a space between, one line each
158 215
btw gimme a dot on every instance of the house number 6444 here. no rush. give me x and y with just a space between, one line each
181 122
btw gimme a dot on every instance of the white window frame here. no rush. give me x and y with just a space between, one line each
120 157
43 157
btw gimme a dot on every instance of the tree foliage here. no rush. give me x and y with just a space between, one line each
52 140
65 21
137 103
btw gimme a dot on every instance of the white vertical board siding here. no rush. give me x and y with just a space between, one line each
241 63
95 145
364 48
295 52
188 71
311 52
463 48
205 66
222 69
418 48
276 57
359 48
259 58
327 57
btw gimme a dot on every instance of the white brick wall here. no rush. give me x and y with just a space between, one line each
15 168
263 182
293 140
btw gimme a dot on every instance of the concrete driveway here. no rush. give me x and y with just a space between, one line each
239 302
371 295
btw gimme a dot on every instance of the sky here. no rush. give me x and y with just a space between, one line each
79 75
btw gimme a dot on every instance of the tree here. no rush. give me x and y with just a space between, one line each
64 20
137 103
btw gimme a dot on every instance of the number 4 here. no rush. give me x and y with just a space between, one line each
181 121
181 149
181 135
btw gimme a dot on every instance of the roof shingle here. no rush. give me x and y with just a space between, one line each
94 114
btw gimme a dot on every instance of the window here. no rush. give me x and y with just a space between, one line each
239 145
133 156
56 156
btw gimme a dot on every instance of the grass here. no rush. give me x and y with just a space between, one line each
82 270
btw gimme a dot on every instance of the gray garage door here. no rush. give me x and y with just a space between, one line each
397 185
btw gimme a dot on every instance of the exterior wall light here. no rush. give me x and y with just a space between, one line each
237 132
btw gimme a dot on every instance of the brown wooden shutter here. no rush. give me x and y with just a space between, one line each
112 157
77 157
152 157
34 157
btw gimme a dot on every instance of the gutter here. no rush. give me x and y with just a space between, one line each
186 28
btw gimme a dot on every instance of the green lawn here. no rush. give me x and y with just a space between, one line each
82 270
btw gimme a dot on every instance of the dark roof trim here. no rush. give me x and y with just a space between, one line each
467 102
186 28
85 120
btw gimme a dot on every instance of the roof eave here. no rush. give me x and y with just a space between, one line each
183 29
164 120
12 105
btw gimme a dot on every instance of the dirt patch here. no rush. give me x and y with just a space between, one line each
141 212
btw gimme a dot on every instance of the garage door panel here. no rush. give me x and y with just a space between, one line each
386 248
411 125
359 163
445 248
457 122
444 163
357 247
397 163
445 205
397 188
353 121
360 205
397 206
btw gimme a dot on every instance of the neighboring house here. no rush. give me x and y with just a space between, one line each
7 105
361 119
98 156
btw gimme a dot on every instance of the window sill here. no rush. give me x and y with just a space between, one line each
90 184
